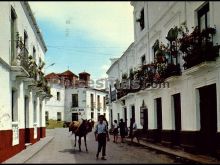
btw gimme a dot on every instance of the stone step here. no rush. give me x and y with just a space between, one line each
27 145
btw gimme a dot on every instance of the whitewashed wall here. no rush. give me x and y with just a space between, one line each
84 98
53 105
159 18
23 23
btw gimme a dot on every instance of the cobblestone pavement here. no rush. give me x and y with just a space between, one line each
61 150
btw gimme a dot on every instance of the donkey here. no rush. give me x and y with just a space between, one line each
81 130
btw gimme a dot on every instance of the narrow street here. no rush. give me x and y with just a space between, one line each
61 150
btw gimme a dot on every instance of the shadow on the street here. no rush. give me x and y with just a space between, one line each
74 151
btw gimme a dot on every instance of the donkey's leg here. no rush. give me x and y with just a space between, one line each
138 139
79 143
75 141
85 142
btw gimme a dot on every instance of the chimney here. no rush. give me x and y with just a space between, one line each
84 77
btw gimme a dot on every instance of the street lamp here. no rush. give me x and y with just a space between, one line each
50 65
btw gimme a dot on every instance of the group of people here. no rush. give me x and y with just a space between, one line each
102 135
123 130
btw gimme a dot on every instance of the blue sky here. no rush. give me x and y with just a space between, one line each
84 35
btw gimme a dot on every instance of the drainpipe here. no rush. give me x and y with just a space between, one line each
185 12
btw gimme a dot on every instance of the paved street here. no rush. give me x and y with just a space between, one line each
61 150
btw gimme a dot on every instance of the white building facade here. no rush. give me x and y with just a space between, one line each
185 109
23 90
71 102
54 107
85 103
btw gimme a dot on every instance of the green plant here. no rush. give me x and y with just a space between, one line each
198 46
172 34
124 76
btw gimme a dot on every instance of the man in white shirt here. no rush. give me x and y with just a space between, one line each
101 134
134 129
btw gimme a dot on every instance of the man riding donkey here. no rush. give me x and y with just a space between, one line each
81 129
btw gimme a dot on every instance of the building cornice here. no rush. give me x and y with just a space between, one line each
5 64
125 53
30 15
133 3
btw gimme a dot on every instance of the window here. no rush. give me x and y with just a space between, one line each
25 40
40 114
92 105
98 102
203 17
46 116
74 100
143 60
141 20
131 74
155 47
34 53
58 96
118 116
98 114
104 103
92 115
35 112
58 116
14 104
13 33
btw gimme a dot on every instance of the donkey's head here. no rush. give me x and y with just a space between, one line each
89 125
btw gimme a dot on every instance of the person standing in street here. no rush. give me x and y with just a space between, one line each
134 129
101 135
115 131
122 130
131 128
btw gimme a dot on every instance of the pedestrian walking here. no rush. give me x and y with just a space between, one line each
122 130
131 128
101 135
106 122
134 129
115 131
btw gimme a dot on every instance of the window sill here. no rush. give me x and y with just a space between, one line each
14 123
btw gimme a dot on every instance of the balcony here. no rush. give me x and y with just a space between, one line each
113 95
123 92
20 65
171 70
24 66
198 47
107 100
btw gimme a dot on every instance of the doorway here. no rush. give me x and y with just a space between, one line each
41 129
144 118
111 117
118 117
26 121
177 117
74 116
208 118
133 112
159 118
125 116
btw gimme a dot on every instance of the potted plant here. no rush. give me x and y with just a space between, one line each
124 76
172 34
